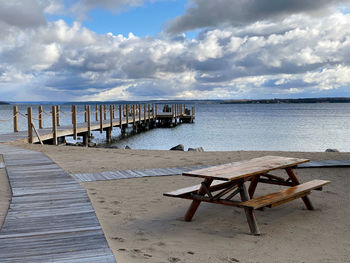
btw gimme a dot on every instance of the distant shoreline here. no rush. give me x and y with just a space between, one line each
280 101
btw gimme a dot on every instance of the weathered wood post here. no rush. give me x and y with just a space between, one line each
192 118
85 113
101 119
155 116
133 116
109 129
15 118
105 112
144 113
54 125
139 114
120 116
175 114
72 114
58 115
88 119
108 134
74 121
113 109
40 111
30 126
127 115
96 112
111 113
149 112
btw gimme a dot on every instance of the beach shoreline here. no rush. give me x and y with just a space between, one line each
141 225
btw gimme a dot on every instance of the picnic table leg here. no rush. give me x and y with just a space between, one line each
295 181
195 203
252 186
253 225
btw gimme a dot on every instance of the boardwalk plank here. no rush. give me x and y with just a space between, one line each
50 218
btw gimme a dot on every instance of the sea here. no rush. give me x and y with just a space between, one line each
305 127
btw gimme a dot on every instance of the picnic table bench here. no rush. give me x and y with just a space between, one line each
223 182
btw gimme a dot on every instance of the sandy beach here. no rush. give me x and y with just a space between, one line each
141 225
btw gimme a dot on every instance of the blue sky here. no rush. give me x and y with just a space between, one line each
145 20
168 49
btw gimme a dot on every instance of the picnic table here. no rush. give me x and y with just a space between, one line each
223 182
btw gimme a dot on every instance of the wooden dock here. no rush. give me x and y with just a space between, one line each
50 218
103 118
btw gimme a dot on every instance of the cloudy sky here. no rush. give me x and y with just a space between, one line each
68 50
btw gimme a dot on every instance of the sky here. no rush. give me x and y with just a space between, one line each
96 50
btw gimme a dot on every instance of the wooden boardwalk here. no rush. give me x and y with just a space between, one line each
124 174
50 218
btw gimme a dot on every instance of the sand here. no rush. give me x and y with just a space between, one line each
141 225
93 160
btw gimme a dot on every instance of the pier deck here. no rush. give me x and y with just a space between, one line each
139 118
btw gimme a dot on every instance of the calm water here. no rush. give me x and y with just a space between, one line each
292 127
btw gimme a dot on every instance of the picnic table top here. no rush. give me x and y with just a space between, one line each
237 170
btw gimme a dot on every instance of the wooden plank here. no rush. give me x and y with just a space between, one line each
284 195
50 217
295 181
195 203
37 133
216 185
236 170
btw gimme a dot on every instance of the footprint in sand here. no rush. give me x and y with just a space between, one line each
115 202
120 239
173 259
115 213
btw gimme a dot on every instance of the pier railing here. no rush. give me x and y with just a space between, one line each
106 117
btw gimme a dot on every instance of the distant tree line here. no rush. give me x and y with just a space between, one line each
276 101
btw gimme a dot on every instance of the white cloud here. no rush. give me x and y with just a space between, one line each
296 55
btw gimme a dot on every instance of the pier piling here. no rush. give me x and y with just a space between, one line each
15 118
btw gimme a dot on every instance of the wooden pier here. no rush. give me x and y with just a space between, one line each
103 118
